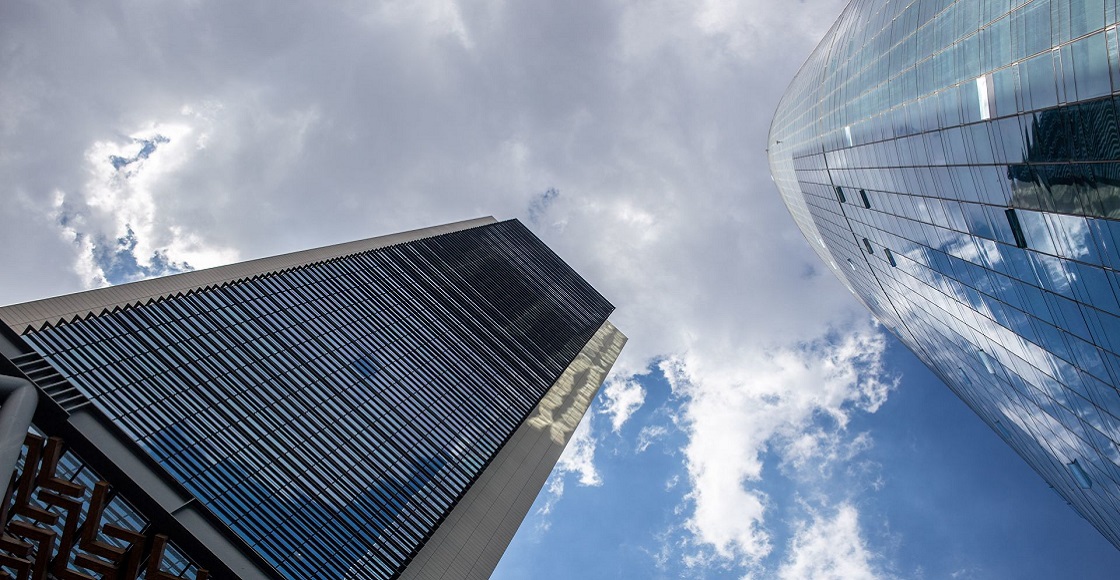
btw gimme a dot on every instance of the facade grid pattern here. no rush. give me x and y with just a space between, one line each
332 414
957 165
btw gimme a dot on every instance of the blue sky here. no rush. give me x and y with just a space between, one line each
782 432
939 496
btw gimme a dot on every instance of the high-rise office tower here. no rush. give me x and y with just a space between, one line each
957 166
384 407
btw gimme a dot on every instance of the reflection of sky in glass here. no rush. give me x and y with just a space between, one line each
947 117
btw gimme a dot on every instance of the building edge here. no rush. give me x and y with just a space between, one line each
476 532
36 313
469 544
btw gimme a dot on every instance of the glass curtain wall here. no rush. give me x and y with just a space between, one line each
957 166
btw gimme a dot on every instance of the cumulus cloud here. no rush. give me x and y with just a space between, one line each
204 132
621 398
115 220
741 407
554 490
819 449
577 460
579 456
649 435
830 548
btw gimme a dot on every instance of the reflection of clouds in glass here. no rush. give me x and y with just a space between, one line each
964 248
989 250
1053 274
1036 230
940 296
1052 436
1053 236
976 250
1072 235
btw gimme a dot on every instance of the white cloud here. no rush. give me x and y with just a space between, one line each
579 456
308 125
621 398
577 459
441 16
554 490
830 549
649 435
119 219
819 449
70 230
740 407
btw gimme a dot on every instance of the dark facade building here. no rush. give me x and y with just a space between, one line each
382 408
957 166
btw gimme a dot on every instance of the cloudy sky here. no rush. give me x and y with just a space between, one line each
758 424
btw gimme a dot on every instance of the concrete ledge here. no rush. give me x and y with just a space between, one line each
469 543
37 312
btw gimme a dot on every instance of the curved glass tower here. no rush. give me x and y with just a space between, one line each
957 166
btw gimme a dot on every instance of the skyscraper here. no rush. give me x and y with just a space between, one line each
955 163
381 407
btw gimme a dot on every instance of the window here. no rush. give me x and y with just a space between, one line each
1079 474
987 360
840 194
867 244
982 97
866 202
1016 228
890 257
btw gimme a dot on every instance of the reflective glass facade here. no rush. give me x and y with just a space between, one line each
957 166
332 414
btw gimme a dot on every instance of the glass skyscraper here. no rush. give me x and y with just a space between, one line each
385 407
956 164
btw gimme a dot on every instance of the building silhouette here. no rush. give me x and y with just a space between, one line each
955 163
382 408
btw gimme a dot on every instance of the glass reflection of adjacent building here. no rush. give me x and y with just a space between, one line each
354 411
957 165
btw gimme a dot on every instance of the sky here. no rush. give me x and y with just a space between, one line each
758 423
